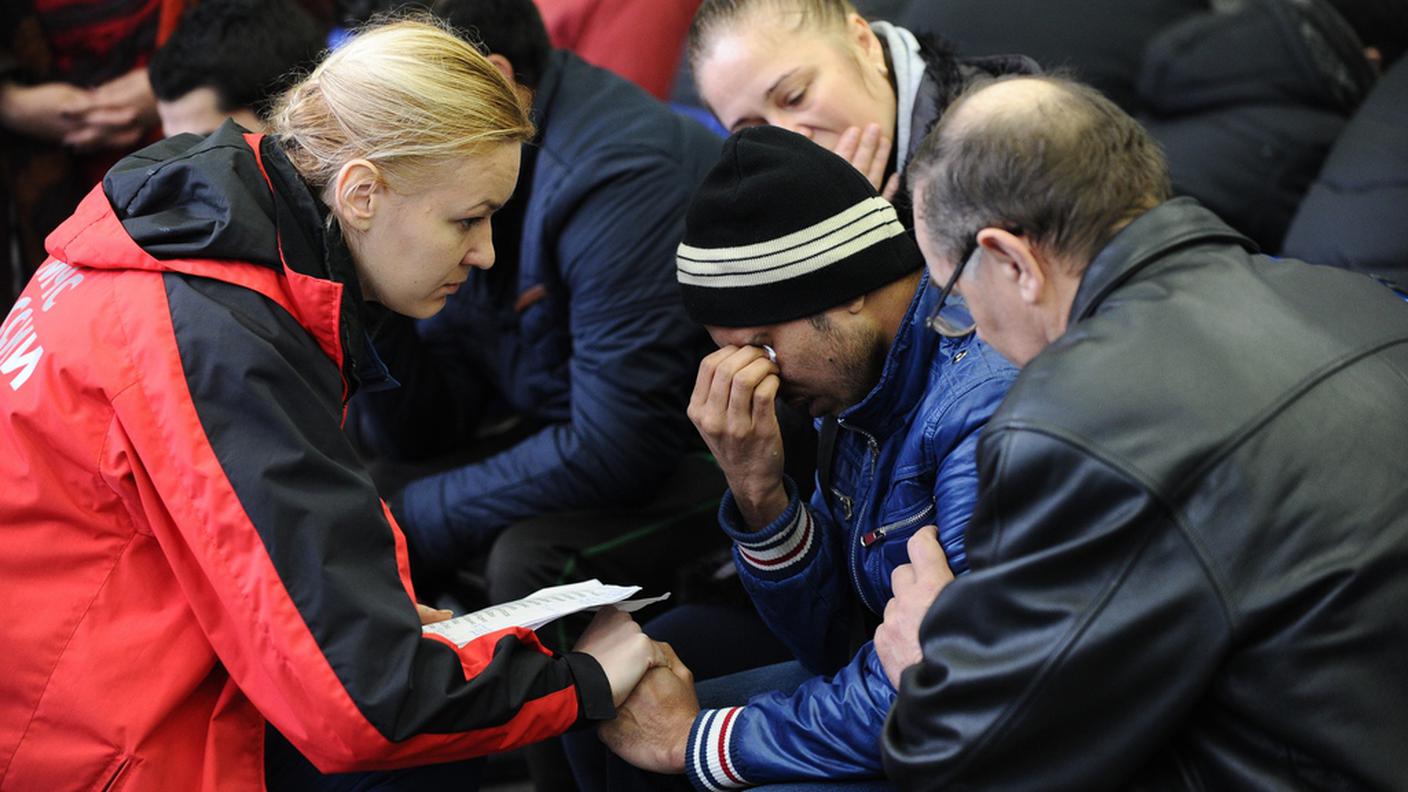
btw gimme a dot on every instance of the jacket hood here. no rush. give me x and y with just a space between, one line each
191 197
209 206
185 197
1299 52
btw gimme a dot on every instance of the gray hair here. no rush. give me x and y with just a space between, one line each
1068 168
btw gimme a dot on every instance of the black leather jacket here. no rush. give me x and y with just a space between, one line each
1190 552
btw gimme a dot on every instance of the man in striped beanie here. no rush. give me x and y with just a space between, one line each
815 293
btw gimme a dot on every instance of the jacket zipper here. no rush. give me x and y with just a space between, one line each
899 525
855 544
847 505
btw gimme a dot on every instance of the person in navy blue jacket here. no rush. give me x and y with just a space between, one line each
816 294
577 333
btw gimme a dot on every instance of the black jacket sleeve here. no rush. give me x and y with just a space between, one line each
294 570
1075 645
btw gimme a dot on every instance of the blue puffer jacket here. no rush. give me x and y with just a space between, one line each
903 458
578 328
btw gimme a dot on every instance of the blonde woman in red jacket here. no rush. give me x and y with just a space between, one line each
189 546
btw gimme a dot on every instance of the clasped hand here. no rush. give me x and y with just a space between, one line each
653 692
652 728
112 115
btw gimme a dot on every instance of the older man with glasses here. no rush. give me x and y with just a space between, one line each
1188 553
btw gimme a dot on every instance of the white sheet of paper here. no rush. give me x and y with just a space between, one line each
539 608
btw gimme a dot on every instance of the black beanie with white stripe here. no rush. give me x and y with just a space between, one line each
782 229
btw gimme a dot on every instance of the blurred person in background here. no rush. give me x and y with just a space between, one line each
640 40
74 97
1100 42
1364 182
1247 103
232 59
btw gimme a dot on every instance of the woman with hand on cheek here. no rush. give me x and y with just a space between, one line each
868 91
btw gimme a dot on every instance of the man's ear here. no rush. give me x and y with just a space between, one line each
855 306
354 194
1015 263
504 66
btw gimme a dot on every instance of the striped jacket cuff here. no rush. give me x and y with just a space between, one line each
780 549
709 757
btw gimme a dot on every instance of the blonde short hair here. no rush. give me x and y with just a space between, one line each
405 95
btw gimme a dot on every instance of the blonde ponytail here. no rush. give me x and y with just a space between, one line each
405 95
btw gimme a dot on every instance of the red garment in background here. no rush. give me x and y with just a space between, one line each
641 40
85 43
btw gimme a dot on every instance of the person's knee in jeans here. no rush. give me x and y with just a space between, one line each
524 558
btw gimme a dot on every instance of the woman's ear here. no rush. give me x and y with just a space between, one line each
859 32
354 192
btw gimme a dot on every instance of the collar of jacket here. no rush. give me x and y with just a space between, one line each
202 206
1172 225
546 92
945 77
905 375
311 244
909 70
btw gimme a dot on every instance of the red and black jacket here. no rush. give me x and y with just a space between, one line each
190 544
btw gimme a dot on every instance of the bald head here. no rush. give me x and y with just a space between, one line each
1046 155
1022 100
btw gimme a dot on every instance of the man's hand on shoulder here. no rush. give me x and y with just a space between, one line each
733 408
915 585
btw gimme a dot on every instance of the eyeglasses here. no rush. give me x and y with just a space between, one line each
950 318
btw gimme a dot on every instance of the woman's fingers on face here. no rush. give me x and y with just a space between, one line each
892 188
865 149
880 161
873 155
846 145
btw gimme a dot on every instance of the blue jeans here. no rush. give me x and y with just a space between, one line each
598 770
718 640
